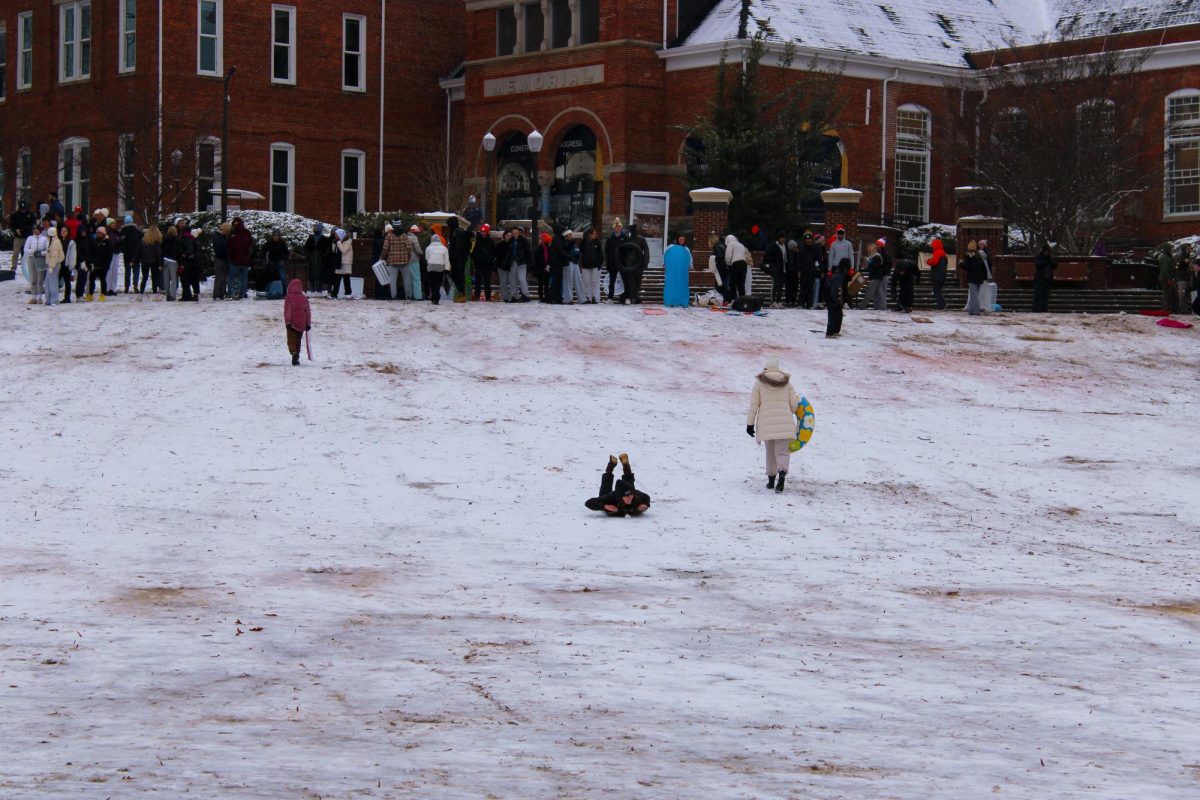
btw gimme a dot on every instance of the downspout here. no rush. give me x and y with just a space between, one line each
665 15
978 111
883 115
382 73
158 210
447 206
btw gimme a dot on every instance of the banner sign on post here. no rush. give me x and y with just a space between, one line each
650 212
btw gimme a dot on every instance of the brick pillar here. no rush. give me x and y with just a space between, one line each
710 217
841 208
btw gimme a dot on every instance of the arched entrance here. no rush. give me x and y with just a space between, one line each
514 178
576 196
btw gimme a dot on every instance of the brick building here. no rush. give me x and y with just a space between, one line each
319 124
613 85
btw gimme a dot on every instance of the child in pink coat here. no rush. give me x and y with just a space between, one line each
297 318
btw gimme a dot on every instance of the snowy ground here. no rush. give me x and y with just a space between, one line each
373 576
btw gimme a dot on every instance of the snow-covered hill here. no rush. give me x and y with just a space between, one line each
373 575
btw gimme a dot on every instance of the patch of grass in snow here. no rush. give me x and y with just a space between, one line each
1041 337
1183 608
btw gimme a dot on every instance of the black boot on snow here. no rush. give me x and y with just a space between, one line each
770 481
779 483
295 359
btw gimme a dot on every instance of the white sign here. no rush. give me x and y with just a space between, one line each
544 81
650 212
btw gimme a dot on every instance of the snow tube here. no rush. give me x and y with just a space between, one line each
1174 323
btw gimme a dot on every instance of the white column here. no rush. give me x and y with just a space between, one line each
546 25
576 23
519 14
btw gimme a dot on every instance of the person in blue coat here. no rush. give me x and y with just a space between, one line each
677 261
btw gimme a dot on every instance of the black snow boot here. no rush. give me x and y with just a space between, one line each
770 481
295 359
779 483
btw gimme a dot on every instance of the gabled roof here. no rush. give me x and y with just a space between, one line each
939 32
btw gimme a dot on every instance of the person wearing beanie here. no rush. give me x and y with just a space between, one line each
413 287
314 251
771 420
483 261
622 500
101 255
397 254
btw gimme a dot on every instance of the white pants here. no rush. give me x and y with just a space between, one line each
877 294
520 284
572 281
778 456
37 275
170 278
114 273
51 287
591 285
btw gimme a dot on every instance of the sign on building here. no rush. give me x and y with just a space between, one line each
650 212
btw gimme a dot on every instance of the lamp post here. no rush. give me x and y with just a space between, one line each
225 146
489 145
535 147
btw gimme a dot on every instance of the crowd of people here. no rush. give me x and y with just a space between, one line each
80 256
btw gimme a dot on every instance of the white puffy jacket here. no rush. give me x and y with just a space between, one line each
735 251
437 257
773 406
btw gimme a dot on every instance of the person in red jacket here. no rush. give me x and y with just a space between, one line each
297 318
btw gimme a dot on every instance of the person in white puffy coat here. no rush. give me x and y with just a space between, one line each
772 419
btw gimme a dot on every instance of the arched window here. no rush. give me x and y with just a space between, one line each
74 179
578 173
912 163
514 177
1181 151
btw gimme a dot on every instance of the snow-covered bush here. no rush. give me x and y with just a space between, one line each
292 227
6 239
369 223
920 239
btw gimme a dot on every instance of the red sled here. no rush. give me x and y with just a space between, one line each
1154 312
1174 323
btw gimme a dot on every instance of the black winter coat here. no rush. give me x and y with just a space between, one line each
131 242
812 261
591 254
484 254
276 251
610 250
774 260
975 267
1043 268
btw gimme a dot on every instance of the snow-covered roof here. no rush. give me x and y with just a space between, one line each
938 32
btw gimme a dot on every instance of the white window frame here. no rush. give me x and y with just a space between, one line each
24 187
282 147
291 44
912 149
361 204
1186 134
203 202
3 74
75 53
361 53
24 50
127 41
72 192
125 179
218 40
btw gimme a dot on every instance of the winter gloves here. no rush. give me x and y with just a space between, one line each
750 431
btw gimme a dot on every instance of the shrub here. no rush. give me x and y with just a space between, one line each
920 239
369 223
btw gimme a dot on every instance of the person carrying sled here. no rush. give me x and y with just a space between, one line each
772 419
624 500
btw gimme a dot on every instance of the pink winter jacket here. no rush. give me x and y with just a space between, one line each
296 313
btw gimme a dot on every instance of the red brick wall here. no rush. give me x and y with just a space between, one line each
315 115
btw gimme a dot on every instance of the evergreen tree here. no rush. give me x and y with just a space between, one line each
767 146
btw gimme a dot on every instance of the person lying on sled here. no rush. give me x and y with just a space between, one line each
622 501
